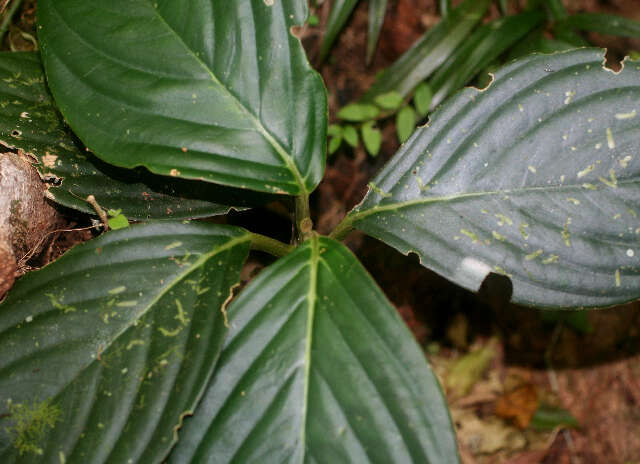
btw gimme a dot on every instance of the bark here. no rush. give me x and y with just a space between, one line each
26 217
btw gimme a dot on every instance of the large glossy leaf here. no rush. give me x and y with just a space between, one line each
479 50
537 177
428 53
29 121
215 90
105 350
318 367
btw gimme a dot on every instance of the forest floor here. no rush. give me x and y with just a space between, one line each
505 369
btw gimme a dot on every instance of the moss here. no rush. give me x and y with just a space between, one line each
30 424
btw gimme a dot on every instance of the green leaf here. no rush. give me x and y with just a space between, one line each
389 101
105 350
604 24
371 137
428 53
536 177
334 130
504 6
340 12
140 81
351 136
444 6
318 367
377 10
479 50
577 320
556 9
335 143
118 221
422 99
313 20
29 121
536 42
358 112
405 123
549 417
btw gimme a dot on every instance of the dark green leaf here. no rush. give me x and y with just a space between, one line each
405 123
577 320
549 417
422 99
371 137
536 177
30 122
115 343
140 82
340 12
556 9
351 135
318 367
604 24
377 10
389 101
478 50
358 112
428 53
536 42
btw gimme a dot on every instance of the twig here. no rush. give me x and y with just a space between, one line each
6 20
99 211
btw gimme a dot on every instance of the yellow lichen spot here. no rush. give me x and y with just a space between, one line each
173 245
378 190
127 304
586 170
503 219
133 343
565 136
523 232
629 115
117 290
566 235
49 160
471 235
533 255
610 142
520 107
498 236
598 146
574 201
618 278
169 333
61 457
174 172
30 425
630 253
612 181
181 316
551 259
501 271
569 94
269 2
624 162
532 169
589 186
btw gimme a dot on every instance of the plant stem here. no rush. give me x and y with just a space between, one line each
6 20
342 229
270 245
444 6
304 225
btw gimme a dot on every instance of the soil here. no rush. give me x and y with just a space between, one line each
592 374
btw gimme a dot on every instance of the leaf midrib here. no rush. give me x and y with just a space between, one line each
359 215
286 157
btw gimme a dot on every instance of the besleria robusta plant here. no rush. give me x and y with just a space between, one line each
132 347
